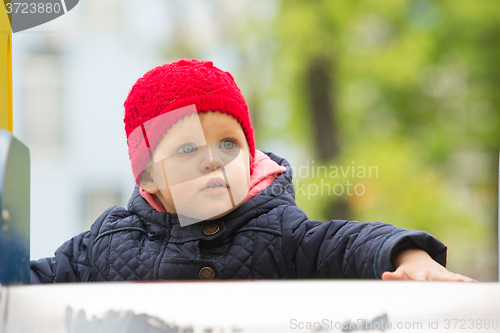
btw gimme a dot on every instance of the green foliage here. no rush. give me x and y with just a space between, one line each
416 90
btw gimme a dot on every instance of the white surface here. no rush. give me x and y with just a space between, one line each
259 306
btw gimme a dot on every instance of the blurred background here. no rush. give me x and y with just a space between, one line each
393 102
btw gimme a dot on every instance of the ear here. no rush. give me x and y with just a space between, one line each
147 183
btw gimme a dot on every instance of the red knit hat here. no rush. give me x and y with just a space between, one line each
179 89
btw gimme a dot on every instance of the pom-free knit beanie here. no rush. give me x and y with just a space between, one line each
179 89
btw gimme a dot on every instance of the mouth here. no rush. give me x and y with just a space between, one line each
216 182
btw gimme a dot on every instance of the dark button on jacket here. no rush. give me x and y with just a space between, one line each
211 229
267 237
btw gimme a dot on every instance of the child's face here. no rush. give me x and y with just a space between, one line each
201 167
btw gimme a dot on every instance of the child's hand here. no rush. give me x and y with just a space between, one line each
416 264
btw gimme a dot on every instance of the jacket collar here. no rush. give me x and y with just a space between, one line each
280 192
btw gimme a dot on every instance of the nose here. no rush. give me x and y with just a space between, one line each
211 163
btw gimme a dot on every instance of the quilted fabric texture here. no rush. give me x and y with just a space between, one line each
267 237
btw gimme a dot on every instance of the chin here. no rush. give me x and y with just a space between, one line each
209 207
219 216
213 213
207 213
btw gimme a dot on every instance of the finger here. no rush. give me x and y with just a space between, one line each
468 279
419 276
396 275
462 278
449 276
401 274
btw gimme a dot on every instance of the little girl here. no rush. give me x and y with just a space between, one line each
208 205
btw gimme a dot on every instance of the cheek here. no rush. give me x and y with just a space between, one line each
182 170
163 178
180 192
167 195
238 178
159 176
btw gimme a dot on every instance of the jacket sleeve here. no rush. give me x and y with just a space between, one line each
71 262
348 249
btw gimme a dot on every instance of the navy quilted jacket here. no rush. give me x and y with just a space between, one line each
267 237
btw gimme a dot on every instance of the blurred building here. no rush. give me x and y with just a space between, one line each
71 77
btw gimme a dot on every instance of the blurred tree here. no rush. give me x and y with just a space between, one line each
320 90
408 86
404 88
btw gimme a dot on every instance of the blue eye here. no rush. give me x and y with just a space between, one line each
227 144
188 148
